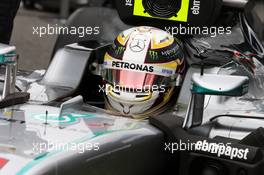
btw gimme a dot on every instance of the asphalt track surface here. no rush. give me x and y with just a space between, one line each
35 52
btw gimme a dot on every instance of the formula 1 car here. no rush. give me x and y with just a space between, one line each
53 121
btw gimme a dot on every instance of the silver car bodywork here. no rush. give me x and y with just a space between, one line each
116 145
74 137
35 139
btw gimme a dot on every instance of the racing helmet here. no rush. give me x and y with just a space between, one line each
141 69
252 24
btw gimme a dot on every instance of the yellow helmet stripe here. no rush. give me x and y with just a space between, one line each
107 57
122 40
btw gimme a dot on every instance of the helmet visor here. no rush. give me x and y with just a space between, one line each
136 80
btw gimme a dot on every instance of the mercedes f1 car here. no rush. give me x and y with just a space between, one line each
53 121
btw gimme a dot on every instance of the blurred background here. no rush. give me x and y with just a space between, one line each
35 51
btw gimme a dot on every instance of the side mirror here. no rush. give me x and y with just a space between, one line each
6 49
211 84
8 58
217 84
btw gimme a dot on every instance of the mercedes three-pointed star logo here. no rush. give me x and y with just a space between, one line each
137 45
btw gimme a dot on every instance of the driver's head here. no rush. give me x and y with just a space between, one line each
141 69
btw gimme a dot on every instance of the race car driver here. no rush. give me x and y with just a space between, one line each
143 70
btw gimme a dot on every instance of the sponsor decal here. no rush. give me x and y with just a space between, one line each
166 69
196 7
120 50
153 55
182 14
132 66
69 118
8 58
137 45
217 149
170 51
3 162
222 150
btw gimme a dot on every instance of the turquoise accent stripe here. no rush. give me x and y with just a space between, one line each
241 90
7 58
42 157
2 58
66 118
45 155
36 161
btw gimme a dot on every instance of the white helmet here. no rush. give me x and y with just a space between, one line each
140 70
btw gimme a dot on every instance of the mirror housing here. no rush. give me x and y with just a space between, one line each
211 84
217 84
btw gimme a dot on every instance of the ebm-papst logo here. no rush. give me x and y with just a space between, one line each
220 149
196 7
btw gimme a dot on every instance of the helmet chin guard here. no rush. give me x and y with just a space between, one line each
131 103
